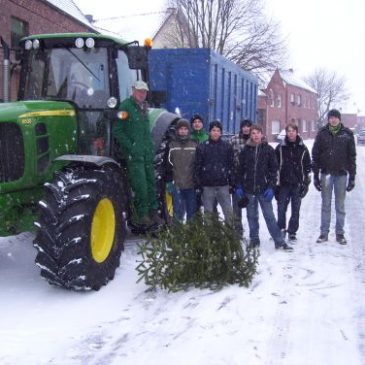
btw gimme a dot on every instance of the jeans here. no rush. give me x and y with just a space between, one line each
289 194
221 194
268 213
184 200
338 185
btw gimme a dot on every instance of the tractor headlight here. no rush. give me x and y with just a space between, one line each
90 42
112 102
79 42
36 44
28 45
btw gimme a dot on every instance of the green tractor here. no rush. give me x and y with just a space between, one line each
52 162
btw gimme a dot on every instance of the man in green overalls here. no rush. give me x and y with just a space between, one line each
132 131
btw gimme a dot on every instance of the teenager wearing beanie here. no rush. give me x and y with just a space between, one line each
198 133
334 168
237 142
214 171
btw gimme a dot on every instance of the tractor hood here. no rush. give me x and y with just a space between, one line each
23 110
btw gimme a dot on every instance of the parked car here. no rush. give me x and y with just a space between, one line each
281 135
361 137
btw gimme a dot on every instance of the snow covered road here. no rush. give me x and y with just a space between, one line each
303 308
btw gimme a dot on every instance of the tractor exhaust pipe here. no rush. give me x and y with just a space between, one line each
6 70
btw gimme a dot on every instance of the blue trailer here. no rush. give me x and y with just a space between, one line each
200 81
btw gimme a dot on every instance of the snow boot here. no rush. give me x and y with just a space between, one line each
340 238
284 246
323 237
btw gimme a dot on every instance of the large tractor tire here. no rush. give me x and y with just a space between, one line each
81 227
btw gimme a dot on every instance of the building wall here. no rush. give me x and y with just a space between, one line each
349 120
41 18
286 103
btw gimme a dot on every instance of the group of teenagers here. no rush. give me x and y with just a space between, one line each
203 169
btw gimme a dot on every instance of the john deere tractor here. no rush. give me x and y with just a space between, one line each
58 156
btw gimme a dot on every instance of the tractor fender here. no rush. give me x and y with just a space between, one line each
88 159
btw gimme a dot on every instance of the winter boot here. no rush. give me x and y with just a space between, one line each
340 238
283 246
323 237
292 237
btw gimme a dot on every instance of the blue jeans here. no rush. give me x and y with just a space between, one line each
184 200
338 185
289 194
268 213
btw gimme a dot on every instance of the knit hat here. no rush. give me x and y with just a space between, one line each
215 124
182 123
196 116
245 123
334 113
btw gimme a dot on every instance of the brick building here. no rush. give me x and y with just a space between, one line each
287 99
19 18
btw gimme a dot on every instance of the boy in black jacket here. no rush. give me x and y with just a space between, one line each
213 171
294 168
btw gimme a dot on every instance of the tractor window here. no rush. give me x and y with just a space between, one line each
126 76
80 75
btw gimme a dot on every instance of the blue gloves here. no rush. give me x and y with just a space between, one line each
239 192
268 194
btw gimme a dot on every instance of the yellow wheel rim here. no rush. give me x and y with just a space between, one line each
169 208
102 230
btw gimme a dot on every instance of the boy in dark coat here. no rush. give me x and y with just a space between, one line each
294 168
256 179
214 171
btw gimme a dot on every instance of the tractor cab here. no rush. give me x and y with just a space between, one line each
91 71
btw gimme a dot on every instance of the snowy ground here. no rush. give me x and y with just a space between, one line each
305 307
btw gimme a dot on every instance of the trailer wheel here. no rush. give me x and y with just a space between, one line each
81 227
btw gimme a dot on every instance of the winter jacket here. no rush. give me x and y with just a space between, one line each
180 162
199 136
133 133
334 154
294 162
213 164
257 169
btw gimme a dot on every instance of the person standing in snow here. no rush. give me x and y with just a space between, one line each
213 169
179 175
198 133
135 139
256 179
334 169
238 142
294 168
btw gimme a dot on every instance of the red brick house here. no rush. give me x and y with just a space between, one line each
287 99
19 18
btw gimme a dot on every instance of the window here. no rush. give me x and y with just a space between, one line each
278 101
275 127
292 98
126 77
299 100
304 126
19 29
313 126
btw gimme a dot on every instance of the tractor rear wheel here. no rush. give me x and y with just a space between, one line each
81 227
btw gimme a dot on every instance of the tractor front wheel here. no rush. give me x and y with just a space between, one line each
81 227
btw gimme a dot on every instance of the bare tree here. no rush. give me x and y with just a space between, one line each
331 89
237 29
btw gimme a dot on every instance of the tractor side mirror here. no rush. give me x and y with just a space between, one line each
137 58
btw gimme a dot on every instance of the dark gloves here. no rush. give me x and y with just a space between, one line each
350 184
317 182
303 190
268 194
